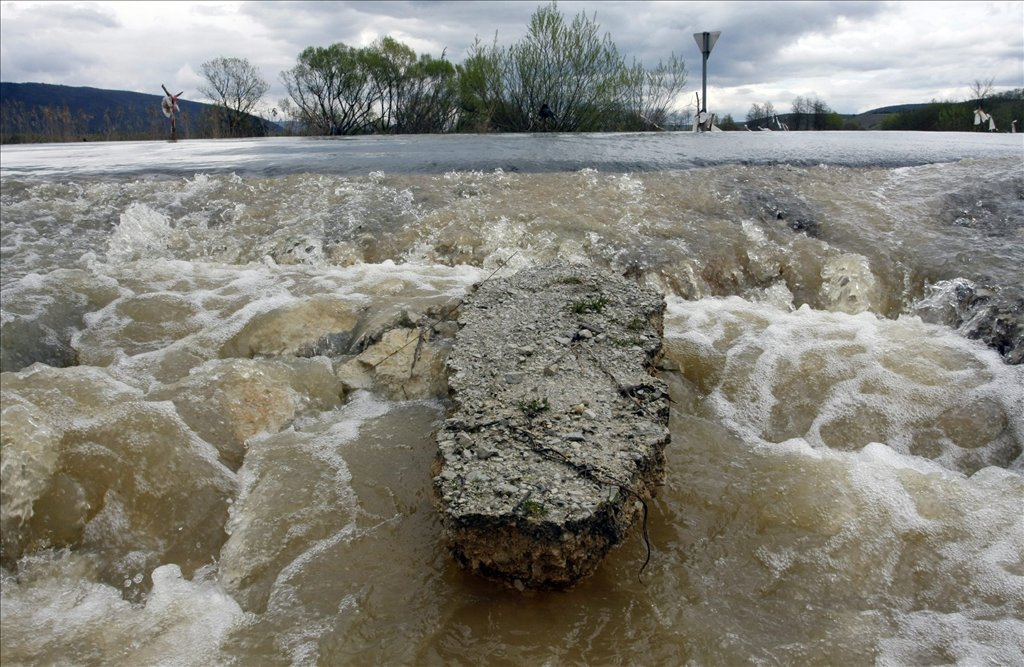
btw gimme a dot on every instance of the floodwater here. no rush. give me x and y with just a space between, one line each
191 477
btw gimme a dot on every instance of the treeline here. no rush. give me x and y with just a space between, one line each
22 122
1004 108
808 113
813 114
562 76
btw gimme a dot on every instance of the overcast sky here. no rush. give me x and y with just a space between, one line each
855 56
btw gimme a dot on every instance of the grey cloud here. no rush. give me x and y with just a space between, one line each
47 16
41 67
448 25
649 32
85 17
763 45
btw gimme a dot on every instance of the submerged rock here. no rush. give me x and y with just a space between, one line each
556 438
319 325
992 315
795 214
406 364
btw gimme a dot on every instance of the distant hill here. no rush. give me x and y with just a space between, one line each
872 120
896 108
868 120
958 116
1005 108
46 112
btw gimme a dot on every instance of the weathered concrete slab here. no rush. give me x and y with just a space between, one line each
558 426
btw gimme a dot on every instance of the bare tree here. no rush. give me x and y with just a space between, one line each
648 95
236 86
982 90
801 114
755 113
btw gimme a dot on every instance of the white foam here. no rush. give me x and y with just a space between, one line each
30 453
933 637
52 611
141 234
845 380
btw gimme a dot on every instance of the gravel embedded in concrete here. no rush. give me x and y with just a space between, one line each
558 425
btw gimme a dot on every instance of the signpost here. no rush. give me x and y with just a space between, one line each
706 42
170 107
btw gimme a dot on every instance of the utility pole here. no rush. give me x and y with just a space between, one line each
706 42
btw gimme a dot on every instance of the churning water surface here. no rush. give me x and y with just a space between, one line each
193 475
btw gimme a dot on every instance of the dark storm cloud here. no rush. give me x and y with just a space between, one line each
753 33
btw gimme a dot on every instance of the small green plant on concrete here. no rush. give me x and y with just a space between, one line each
534 407
593 305
532 508
637 324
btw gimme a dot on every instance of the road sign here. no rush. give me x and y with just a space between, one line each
706 40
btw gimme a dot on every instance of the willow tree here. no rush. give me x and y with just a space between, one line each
331 90
428 100
412 95
568 66
387 63
236 86
481 92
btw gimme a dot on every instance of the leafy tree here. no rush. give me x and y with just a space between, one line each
381 88
236 87
480 87
952 116
572 69
830 120
727 124
568 67
413 95
388 63
331 90
429 100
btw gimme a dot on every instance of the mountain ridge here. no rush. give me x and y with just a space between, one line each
85 112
